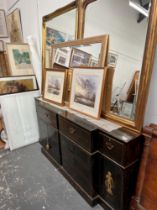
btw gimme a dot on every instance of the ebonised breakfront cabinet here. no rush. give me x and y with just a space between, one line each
101 165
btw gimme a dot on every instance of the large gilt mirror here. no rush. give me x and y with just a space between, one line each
130 25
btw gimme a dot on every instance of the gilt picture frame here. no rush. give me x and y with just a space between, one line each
87 91
17 84
3 24
15 26
54 86
19 59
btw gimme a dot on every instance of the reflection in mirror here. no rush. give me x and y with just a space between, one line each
77 56
59 29
126 22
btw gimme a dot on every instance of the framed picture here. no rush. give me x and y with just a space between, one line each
112 59
3 25
127 109
79 58
1 46
15 26
9 85
53 36
87 91
54 86
3 65
19 58
62 56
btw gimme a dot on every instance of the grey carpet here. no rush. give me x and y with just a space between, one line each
28 181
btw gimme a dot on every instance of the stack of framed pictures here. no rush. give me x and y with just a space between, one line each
86 89
16 69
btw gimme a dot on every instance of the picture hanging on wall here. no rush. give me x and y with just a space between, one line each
112 59
19 58
9 85
79 58
3 25
54 86
15 26
87 91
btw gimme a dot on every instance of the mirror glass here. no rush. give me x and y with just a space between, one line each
77 56
59 29
126 22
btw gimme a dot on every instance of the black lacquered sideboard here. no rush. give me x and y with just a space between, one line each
101 165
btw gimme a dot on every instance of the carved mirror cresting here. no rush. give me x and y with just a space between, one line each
131 26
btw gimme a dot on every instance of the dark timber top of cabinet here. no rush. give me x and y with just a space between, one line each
122 134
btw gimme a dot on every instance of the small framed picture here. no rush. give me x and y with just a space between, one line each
19 58
62 56
2 46
127 109
54 86
87 91
10 85
79 58
112 59
3 25
15 26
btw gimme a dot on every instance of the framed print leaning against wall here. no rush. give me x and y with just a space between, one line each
19 57
87 91
3 25
54 86
9 85
15 26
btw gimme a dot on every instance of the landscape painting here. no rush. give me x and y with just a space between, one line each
54 86
9 85
22 59
87 90
53 36
19 57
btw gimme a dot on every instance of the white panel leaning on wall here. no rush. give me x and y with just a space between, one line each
20 118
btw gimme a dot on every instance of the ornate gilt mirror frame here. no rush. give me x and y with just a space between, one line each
149 52
146 72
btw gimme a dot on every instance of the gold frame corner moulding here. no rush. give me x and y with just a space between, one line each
146 72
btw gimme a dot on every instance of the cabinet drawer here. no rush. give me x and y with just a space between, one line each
48 116
111 148
78 164
76 133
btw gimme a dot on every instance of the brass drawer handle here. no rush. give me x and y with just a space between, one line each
109 145
72 130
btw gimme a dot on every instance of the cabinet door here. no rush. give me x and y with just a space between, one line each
54 143
111 183
78 164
